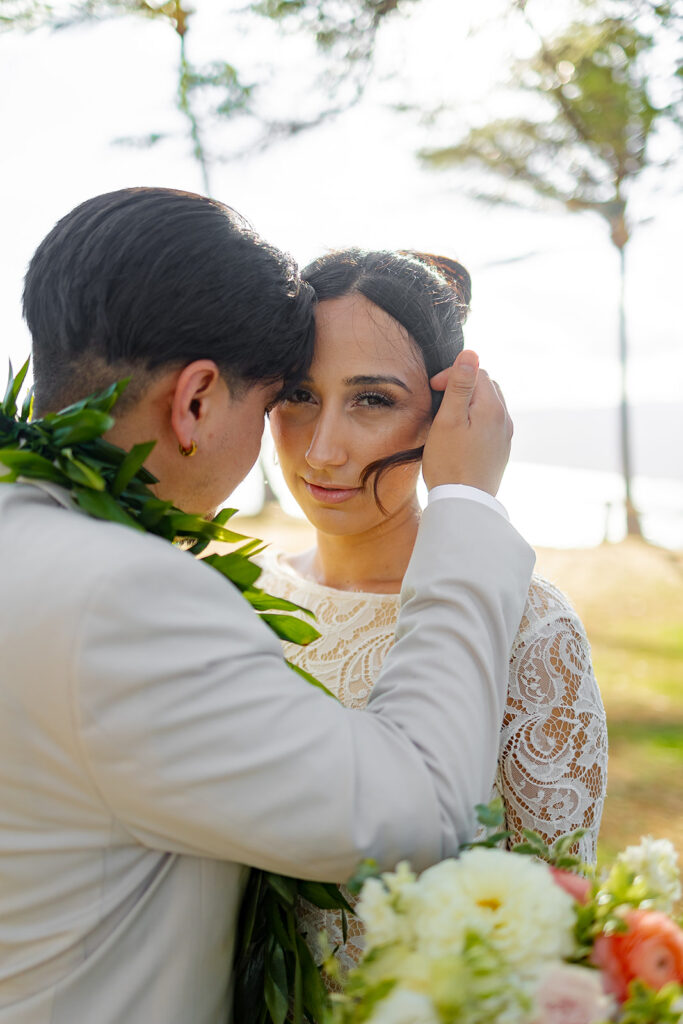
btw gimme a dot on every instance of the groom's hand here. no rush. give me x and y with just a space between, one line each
469 440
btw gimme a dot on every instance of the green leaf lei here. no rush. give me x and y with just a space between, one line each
275 972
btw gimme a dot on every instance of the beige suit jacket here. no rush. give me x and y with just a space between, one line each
152 742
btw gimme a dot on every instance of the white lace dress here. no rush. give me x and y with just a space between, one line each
552 761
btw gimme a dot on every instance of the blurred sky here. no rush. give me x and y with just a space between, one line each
544 284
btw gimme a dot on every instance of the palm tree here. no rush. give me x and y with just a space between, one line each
589 141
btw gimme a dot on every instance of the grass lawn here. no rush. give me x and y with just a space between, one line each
630 597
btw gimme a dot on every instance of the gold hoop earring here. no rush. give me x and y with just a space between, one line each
188 452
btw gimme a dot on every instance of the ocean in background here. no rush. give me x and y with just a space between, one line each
562 507
563 487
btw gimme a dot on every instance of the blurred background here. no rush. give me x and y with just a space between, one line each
538 143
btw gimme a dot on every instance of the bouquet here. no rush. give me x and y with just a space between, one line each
500 937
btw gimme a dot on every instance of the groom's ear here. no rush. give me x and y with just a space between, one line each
198 388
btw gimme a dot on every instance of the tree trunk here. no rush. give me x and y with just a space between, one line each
633 528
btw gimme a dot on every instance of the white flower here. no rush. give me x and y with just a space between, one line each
511 901
440 910
381 921
384 907
401 881
567 994
655 860
402 1006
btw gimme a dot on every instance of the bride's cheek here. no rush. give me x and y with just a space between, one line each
279 430
410 434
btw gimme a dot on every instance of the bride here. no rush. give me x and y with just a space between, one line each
349 443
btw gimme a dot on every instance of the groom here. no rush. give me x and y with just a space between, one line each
153 742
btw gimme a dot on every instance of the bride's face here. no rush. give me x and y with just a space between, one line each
367 396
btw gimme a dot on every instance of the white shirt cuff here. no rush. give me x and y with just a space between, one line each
471 493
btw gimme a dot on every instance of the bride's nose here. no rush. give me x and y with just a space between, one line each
327 447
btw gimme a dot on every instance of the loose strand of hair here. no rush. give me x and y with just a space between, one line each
380 466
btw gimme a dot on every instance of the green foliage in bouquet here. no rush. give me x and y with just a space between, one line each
492 817
644 1006
624 887
274 969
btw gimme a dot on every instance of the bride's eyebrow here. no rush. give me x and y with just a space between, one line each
365 380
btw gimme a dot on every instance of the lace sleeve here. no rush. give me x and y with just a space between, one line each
553 749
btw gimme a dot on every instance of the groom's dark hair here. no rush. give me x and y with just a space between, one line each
142 279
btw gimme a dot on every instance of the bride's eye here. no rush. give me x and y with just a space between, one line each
374 400
299 396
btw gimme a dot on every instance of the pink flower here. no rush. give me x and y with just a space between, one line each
651 950
576 885
570 995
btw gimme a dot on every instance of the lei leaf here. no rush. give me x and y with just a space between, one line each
14 384
275 973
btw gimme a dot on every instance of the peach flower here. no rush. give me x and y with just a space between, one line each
651 950
576 885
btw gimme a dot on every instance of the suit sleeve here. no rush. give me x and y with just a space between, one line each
200 739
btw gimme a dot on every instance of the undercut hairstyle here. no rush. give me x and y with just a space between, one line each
135 282
428 295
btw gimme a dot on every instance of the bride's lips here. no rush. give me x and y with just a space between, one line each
331 495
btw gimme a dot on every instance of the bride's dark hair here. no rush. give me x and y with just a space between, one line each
428 295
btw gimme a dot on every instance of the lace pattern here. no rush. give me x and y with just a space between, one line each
552 761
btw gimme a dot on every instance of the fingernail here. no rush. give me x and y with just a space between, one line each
467 369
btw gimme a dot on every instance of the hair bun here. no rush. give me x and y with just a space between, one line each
454 273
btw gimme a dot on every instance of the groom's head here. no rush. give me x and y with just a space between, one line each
177 292
142 279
